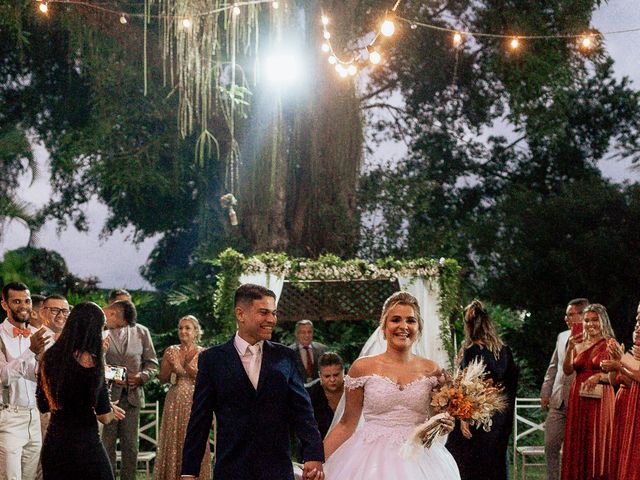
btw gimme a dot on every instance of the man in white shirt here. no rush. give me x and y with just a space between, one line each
554 394
20 436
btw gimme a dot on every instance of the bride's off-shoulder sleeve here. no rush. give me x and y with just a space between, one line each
352 383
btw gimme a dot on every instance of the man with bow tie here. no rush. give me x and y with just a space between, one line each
20 436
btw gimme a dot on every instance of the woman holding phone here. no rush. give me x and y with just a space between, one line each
589 427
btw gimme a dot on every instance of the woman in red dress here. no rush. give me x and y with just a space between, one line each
589 426
628 467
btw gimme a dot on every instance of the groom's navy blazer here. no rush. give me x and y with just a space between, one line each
253 426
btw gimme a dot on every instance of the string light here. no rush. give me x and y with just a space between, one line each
514 44
333 60
236 10
275 5
326 48
457 39
186 23
325 20
587 42
326 35
123 19
352 70
43 7
375 57
388 27
342 71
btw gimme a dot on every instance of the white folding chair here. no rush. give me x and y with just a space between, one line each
528 428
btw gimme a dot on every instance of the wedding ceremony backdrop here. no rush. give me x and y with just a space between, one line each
262 125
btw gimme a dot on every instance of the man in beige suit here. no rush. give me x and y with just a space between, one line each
554 394
130 346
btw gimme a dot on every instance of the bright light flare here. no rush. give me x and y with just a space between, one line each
326 48
187 23
333 60
236 10
388 28
375 57
275 5
587 42
342 71
325 20
326 35
352 70
514 44
457 39
282 69
43 7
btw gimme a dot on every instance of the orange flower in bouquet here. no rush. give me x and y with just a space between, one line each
466 396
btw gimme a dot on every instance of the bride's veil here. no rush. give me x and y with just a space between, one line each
375 345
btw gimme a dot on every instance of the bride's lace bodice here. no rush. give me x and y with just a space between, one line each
390 409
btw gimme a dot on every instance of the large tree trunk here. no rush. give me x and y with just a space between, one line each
299 195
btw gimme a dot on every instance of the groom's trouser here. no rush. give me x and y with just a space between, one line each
127 431
553 437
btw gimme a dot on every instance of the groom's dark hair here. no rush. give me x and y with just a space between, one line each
249 292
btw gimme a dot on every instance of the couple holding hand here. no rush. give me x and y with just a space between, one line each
254 388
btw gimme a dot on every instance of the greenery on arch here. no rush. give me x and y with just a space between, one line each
232 264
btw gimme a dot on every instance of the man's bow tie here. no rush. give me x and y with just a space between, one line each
25 332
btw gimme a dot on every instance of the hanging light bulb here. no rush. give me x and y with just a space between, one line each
333 60
413 26
43 7
375 58
123 19
326 35
341 70
457 39
275 5
325 20
326 48
352 70
514 44
236 10
388 27
187 23
587 42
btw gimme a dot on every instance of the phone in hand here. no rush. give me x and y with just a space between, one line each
115 373
577 329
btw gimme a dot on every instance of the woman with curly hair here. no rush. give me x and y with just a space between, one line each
482 455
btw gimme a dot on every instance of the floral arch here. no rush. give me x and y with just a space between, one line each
332 289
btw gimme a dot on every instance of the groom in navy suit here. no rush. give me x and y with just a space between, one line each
254 388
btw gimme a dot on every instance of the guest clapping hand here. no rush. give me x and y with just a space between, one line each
179 366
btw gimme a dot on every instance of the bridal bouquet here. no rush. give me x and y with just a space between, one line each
466 396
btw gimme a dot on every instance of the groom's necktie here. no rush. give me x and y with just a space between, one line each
254 367
309 362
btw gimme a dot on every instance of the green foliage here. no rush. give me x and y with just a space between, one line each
43 271
230 264
330 267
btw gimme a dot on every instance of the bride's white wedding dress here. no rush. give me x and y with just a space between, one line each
391 413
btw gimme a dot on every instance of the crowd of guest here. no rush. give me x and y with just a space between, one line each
591 391
53 359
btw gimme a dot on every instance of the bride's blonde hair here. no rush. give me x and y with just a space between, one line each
400 298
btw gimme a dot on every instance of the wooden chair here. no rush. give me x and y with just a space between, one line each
147 436
528 435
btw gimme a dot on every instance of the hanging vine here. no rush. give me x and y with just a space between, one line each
204 45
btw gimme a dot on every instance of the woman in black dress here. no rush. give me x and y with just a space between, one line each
71 386
482 455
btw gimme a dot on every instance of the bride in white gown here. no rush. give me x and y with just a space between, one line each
392 391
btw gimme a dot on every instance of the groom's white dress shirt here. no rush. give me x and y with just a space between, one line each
251 358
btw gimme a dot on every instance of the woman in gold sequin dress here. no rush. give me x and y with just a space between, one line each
179 365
